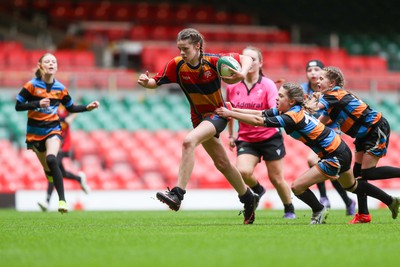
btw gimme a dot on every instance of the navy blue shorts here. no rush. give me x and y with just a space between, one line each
337 162
376 141
218 122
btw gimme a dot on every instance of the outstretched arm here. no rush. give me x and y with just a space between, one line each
256 120
248 111
147 82
83 108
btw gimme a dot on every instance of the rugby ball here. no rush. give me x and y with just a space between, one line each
224 63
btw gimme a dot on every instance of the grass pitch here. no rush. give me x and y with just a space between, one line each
195 238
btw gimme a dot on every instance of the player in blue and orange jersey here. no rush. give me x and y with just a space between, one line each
66 150
334 153
356 119
196 73
313 70
41 96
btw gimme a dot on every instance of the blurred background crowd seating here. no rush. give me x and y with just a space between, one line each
133 141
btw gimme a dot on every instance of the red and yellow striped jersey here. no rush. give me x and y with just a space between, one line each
201 84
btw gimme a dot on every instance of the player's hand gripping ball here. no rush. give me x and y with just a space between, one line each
225 63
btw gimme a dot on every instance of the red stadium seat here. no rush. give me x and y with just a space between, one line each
83 60
273 60
101 13
153 180
99 135
222 17
356 63
34 56
80 13
204 15
120 13
86 147
337 58
18 60
114 157
241 19
164 14
116 34
126 177
376 64
163 33
142 12
183 14
43 5
11 46
295 61
139 32
316 53
64 59
281 37
146 165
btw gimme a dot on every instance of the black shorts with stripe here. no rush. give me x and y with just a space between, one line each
376 141
270 149
40 146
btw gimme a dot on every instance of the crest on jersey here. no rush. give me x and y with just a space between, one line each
207 74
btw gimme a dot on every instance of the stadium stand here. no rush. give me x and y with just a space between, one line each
134 140
115 157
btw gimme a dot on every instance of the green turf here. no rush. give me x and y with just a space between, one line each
194 238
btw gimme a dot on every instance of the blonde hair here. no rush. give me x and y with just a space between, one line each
334 74
39 71
295 92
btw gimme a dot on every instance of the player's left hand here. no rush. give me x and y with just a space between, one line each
223 112
93 105
236 77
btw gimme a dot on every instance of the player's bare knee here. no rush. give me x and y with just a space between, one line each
222 165
277 181
188 144
296 190
246 174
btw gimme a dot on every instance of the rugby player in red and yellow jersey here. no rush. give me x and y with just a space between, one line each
196 73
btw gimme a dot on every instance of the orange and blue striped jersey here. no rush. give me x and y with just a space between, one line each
354 117
304 127
43 122
201 84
